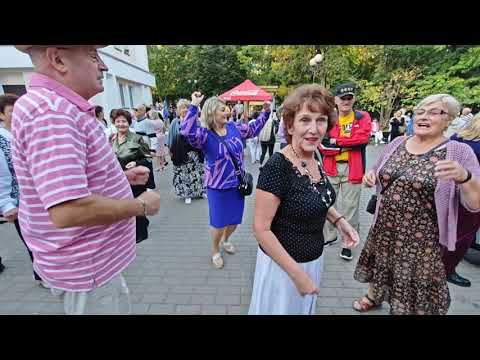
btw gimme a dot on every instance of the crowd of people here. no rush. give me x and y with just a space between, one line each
80 189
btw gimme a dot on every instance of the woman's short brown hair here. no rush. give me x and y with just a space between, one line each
317 99
7 100
126 114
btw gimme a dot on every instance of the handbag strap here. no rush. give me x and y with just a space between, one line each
238 172
397 175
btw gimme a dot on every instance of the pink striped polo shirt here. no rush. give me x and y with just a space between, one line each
60 153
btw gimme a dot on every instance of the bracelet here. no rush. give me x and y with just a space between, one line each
337 220
469 176
144 205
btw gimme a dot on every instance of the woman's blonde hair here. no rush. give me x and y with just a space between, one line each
182 103
472 131
208 112
154 115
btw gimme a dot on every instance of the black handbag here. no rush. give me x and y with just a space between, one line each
372 203
245 185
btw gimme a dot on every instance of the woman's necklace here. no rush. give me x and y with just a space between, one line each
304 166
326 196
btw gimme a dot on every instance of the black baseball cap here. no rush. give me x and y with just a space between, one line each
345 89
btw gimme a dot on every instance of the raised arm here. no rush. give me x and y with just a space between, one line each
196 135
252 130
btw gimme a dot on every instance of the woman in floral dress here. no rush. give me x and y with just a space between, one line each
423 179
188 169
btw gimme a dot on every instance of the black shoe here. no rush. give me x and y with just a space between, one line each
458 280
330 242
2 267
346 254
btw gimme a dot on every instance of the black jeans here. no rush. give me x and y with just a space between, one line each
17 226
266 146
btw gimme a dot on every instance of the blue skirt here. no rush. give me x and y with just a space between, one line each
225 207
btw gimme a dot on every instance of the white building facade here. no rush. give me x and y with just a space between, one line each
128 81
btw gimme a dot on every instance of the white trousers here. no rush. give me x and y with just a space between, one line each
255 149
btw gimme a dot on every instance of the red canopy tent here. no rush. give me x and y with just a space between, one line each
246 91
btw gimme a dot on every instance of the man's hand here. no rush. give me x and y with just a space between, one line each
152 201
11 215
137 175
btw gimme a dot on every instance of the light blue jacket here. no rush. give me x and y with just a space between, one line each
8 183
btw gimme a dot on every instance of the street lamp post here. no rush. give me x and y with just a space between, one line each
194 82
315 63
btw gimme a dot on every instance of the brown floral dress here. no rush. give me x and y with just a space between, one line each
401 257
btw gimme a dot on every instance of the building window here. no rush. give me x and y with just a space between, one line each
18 90
131 95
123 49
122 96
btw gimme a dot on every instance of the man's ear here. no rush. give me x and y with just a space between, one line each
56 59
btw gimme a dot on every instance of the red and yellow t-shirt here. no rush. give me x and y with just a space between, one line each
345 123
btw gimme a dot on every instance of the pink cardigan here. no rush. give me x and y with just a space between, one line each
447 193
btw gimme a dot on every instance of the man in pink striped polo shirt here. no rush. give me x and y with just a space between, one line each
77 212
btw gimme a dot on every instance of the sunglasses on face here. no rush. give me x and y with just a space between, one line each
347 98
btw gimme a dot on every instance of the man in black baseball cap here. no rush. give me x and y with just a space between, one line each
345 163
347 89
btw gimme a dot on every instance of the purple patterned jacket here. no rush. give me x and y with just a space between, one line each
219 168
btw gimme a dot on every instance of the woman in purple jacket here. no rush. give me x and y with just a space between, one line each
225 202
424 179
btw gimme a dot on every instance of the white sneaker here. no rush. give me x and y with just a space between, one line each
188 200
43 284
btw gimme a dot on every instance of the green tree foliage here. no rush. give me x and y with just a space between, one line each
389 76
181 69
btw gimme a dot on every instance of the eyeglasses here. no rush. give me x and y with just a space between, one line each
347 97
431 112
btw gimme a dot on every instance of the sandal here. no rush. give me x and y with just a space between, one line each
365 304
217 260
229 248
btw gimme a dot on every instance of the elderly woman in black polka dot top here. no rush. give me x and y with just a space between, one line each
293 200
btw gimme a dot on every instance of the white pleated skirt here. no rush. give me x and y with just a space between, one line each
274 293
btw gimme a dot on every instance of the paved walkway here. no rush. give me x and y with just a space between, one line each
172 272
